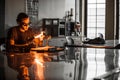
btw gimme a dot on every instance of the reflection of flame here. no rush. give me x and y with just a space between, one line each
39 65
38 62
39 70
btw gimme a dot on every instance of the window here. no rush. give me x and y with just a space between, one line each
95 18
32 10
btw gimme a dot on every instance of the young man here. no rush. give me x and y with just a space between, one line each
20 38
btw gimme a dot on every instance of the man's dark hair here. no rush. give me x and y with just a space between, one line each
21 16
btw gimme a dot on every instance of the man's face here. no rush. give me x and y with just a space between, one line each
25 24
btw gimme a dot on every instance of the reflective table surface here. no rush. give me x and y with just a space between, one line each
74 63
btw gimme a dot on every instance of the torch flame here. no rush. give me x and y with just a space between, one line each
40 35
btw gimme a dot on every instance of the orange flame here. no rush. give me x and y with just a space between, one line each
40 35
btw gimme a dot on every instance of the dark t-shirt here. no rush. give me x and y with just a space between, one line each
19 37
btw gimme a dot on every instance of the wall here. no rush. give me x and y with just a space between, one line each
12 8
51 8
55 8
70 4
47 9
